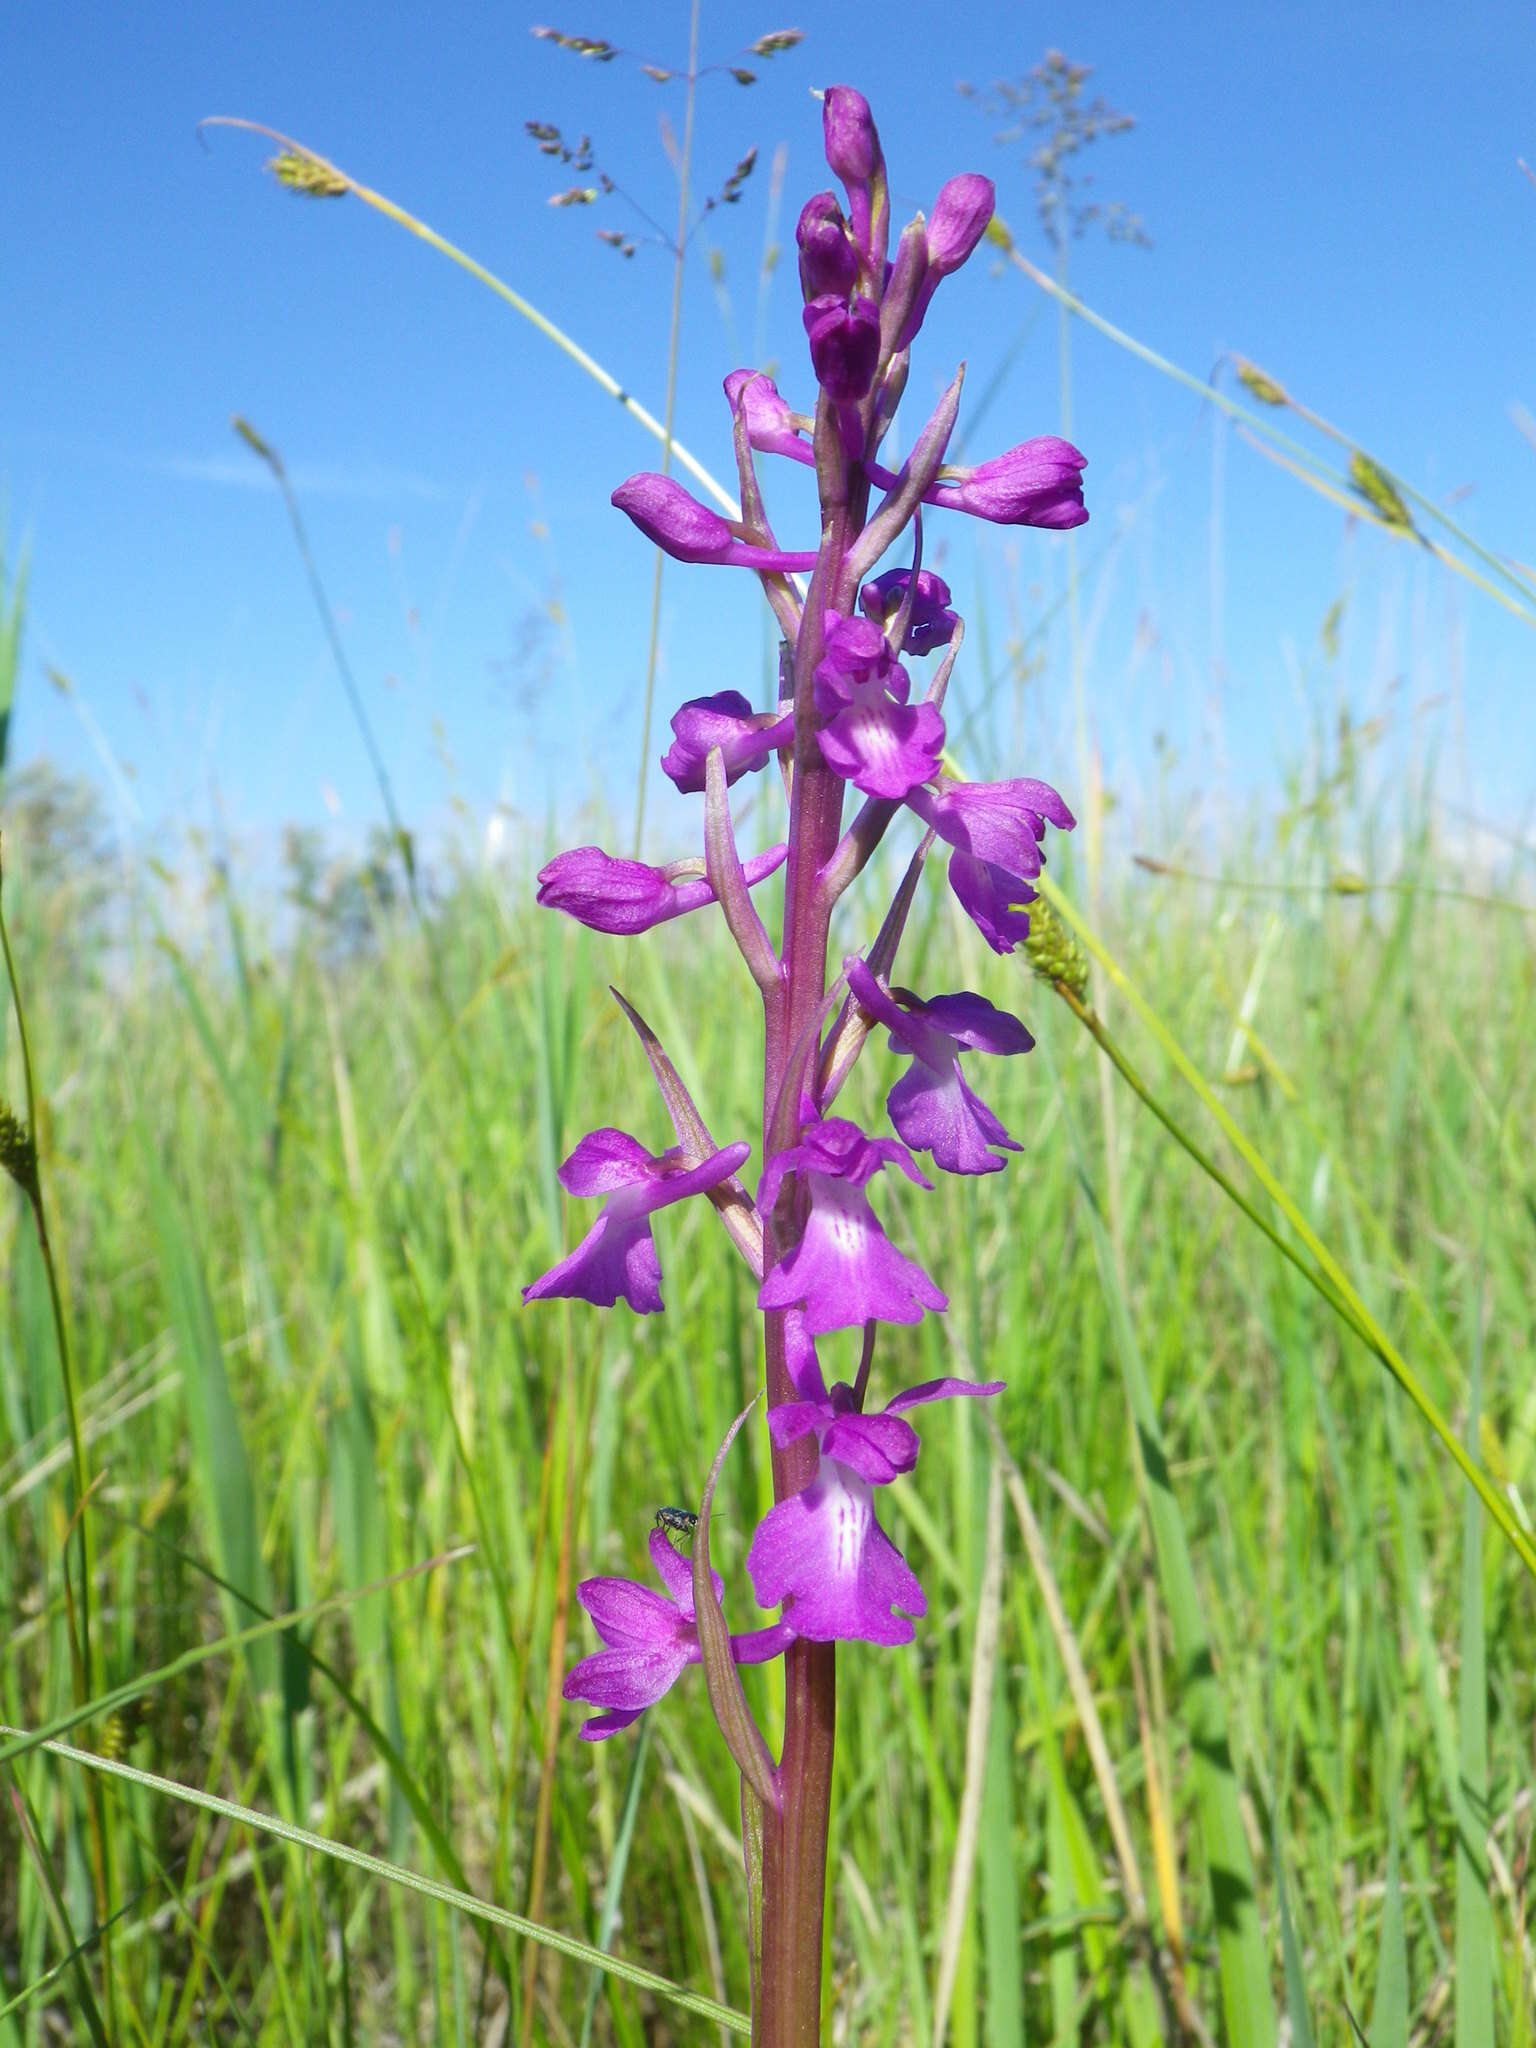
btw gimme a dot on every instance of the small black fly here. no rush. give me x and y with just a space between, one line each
677 1521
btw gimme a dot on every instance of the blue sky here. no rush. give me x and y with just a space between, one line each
1332 190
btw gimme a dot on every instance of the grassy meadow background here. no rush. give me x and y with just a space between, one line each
1219 1725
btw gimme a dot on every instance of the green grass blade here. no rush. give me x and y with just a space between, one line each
13 612
613 1889
1474 1913
220 1460
72 1950
1295 1977
375 1866
1389 2014
999 1882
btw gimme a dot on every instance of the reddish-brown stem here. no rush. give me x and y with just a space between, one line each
795 1839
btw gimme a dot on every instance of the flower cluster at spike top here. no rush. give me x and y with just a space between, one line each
860 742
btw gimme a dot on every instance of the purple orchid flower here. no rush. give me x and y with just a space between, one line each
649 1641
996 829
691 532
616 1260
822 1553
609 894
745 738
844 1270
933 1105
1000 822
875 739
931 623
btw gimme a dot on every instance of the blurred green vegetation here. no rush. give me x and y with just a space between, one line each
293 1206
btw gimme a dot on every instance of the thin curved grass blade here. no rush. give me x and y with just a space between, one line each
393 1873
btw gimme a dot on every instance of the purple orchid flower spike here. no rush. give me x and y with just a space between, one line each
649 1641
822 1553
845 719
616 1260
608 894
844 1270
875 739
933 1105
746 738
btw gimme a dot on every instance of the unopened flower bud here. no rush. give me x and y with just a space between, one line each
849 134
828 260
845 346
689 531
959 220
853 151
1039 483
608 894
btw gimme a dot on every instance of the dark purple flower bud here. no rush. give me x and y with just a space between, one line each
829 263
649 1641
617 1257
745 738
845 346
608 894
1000 822
932 624
822 1553
874 738
959 220
844 1270
772 428
849 134
933 1105
1039 483
691 532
